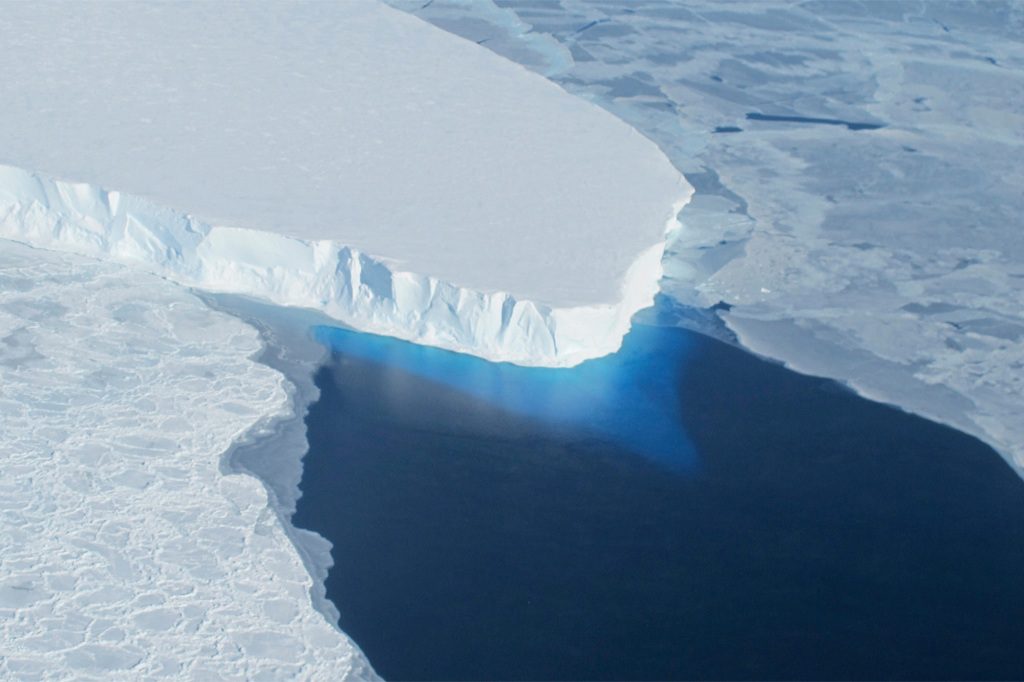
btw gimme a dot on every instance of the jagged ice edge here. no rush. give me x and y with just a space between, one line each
369 293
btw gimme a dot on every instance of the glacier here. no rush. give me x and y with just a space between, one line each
365 292
344 158
403 180
354 160
128 552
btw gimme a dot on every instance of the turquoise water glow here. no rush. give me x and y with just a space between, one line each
630 398
681 510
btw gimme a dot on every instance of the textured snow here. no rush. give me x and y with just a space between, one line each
341 156
127 554
892 258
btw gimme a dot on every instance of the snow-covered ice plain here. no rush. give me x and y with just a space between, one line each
857 208
877 238
127 552
345 157
265 150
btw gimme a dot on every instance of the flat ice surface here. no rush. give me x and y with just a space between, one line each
126 552
346 121
889 258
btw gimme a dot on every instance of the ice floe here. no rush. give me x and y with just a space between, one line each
127 553
861 218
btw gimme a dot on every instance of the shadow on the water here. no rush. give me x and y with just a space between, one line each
524 537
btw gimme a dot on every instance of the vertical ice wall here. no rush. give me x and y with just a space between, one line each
345 157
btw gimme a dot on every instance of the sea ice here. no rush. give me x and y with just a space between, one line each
127 553
861 217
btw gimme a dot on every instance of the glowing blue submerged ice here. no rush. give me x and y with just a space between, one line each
629 398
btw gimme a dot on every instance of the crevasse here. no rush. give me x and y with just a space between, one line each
366 292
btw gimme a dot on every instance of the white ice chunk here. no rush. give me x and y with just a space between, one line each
342 156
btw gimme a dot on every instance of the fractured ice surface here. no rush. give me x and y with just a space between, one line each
126 553
862 216
343 156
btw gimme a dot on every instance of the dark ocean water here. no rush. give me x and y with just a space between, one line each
679 510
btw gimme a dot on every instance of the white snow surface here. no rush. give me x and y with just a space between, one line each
127 554
340 156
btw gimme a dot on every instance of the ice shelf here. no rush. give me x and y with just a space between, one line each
345 157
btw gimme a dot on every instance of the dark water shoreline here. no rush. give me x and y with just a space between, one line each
543 555
273 450
817 535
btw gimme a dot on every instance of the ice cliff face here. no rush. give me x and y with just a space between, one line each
368 293
401 179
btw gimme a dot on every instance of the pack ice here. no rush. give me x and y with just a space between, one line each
126 553
857 172
345 157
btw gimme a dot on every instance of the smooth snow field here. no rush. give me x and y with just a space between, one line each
339 156
857 168
710 516
127 553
